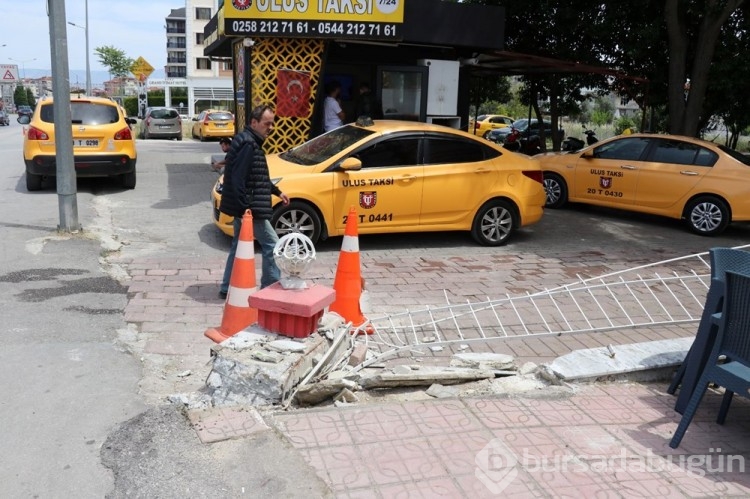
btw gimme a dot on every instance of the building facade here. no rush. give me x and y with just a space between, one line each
208 80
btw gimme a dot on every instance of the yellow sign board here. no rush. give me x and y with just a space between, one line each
363 19
141 69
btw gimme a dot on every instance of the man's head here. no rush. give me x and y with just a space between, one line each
261 120
224 143
364 87
333 88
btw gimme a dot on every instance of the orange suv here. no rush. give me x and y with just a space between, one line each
103 143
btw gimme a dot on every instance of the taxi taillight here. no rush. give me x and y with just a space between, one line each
34 133
124 134
535 175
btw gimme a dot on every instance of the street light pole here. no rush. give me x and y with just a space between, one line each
23 65
88 66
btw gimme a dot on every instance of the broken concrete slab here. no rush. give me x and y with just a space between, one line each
439 391
484 360
594 363
238 377
426 376
286 346
215 424
316 393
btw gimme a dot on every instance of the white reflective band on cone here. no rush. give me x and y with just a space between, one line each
350 244
245 250
238 297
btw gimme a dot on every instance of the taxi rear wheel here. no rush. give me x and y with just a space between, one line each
494 223
297 217
707 216
555 189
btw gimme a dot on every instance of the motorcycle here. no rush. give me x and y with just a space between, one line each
525 145
576 144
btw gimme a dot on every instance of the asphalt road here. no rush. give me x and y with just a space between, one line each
70 403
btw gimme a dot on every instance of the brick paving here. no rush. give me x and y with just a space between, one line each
457 447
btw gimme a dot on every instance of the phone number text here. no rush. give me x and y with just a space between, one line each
313 29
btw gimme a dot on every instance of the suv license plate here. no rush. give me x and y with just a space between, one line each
85 142
165 126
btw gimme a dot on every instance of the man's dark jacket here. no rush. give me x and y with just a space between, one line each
247 184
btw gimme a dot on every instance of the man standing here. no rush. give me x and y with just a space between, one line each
218 160
247 186
333 115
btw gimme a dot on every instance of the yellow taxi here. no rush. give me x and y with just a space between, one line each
702 183
485 123
103 142
402 176
213 124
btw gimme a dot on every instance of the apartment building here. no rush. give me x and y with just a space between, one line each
208 81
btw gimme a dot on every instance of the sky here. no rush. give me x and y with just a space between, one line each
134 26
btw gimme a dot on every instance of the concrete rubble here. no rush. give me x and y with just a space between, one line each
255 367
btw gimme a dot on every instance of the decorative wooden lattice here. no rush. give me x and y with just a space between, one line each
268 57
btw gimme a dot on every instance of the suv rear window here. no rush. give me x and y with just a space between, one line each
164 113
84 113
220 116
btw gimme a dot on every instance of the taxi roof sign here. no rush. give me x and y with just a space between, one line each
141 69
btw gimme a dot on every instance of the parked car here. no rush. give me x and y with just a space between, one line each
24 111
500 134
403 176
103 144
487 122
161 122
4 119
702 183
211 124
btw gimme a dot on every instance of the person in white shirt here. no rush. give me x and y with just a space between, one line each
333 114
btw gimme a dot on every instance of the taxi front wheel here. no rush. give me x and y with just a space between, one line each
494 223
707 215
297 217
555 190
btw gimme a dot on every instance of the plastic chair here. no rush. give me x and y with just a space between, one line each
732 342
722 260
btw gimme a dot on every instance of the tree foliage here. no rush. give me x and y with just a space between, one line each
117 63
661 41
20 97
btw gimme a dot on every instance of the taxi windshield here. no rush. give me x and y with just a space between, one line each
325 146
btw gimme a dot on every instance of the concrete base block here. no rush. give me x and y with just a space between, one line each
601 362
238 377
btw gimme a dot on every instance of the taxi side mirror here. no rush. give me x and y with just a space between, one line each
24 120
351 164
588 154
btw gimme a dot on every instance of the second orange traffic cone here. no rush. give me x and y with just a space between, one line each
348 280
238 314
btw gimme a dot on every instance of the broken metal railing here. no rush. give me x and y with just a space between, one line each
673 292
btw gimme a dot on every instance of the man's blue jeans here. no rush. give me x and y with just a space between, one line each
266 238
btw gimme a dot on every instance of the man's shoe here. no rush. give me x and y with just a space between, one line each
223 295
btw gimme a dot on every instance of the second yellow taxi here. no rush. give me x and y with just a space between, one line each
485 123
402 177
702 183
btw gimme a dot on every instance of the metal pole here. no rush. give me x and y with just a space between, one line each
88 66
65 166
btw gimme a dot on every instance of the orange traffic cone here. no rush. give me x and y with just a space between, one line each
237 311
348 280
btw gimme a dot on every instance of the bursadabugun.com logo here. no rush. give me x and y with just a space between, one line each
498 465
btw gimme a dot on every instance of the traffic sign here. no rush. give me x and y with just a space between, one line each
141 69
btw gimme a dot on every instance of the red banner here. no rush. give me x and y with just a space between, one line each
292 94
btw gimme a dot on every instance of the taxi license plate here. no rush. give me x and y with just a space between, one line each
85 142
221 125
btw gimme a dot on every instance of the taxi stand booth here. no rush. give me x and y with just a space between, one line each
414 54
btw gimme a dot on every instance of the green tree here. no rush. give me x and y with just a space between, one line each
117 63
30 99
20 97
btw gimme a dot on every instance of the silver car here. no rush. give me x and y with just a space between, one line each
161 122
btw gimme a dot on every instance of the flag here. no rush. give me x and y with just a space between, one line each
292 93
